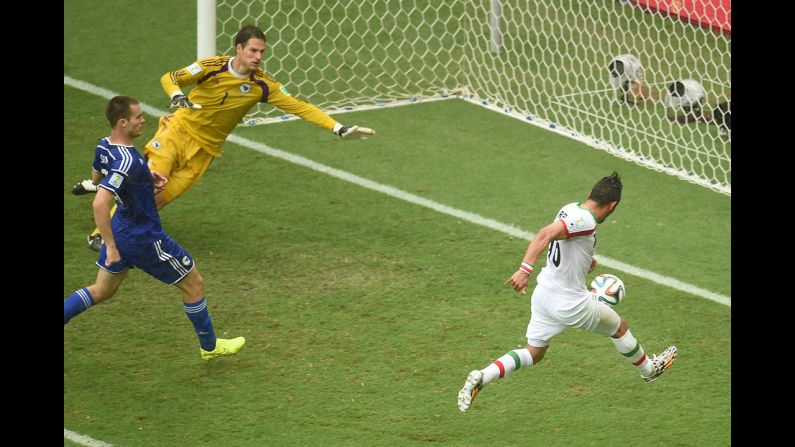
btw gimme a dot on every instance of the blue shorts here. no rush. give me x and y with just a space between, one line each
165 259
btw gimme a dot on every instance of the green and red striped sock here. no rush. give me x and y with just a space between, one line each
508 363
630 348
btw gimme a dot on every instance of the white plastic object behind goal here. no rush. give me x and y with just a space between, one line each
544 62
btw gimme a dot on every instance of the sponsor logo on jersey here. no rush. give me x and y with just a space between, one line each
116 179
245 88
194 69
156 144
577 224
103 159
185 260
284 90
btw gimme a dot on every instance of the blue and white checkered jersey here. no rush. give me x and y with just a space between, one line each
128 177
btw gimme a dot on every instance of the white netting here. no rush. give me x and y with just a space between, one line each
550 67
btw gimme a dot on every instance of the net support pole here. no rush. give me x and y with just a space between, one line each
205 28
494 22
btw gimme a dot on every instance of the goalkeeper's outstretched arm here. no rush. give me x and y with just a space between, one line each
353 132
314 115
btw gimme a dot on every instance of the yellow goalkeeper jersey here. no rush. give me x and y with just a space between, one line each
226 97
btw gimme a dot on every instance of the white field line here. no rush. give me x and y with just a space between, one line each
408 197
87 441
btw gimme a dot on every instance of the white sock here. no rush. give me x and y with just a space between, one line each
630 348
508 363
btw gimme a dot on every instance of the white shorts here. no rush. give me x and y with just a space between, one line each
552 313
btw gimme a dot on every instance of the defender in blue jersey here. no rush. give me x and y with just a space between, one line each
133 236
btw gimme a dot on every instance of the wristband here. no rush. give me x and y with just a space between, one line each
526 267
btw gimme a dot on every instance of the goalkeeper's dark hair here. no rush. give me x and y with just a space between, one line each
607 190
248 32
118 108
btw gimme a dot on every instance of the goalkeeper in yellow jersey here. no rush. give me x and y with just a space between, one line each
227 87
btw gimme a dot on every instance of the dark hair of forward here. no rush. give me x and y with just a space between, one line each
607 190
248 32
118 108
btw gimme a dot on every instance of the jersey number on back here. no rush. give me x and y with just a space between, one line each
554 253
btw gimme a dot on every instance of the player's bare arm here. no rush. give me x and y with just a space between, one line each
103 202
96 177
159 180
552 232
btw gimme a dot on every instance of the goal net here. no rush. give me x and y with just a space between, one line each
545 62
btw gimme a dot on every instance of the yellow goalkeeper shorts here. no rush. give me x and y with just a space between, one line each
175 154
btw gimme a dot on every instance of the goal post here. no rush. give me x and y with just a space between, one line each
495 17
205 28
539 61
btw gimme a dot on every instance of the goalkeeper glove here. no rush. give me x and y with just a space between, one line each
355 133
84 187
183 101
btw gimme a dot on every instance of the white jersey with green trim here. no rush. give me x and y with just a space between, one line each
568 260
